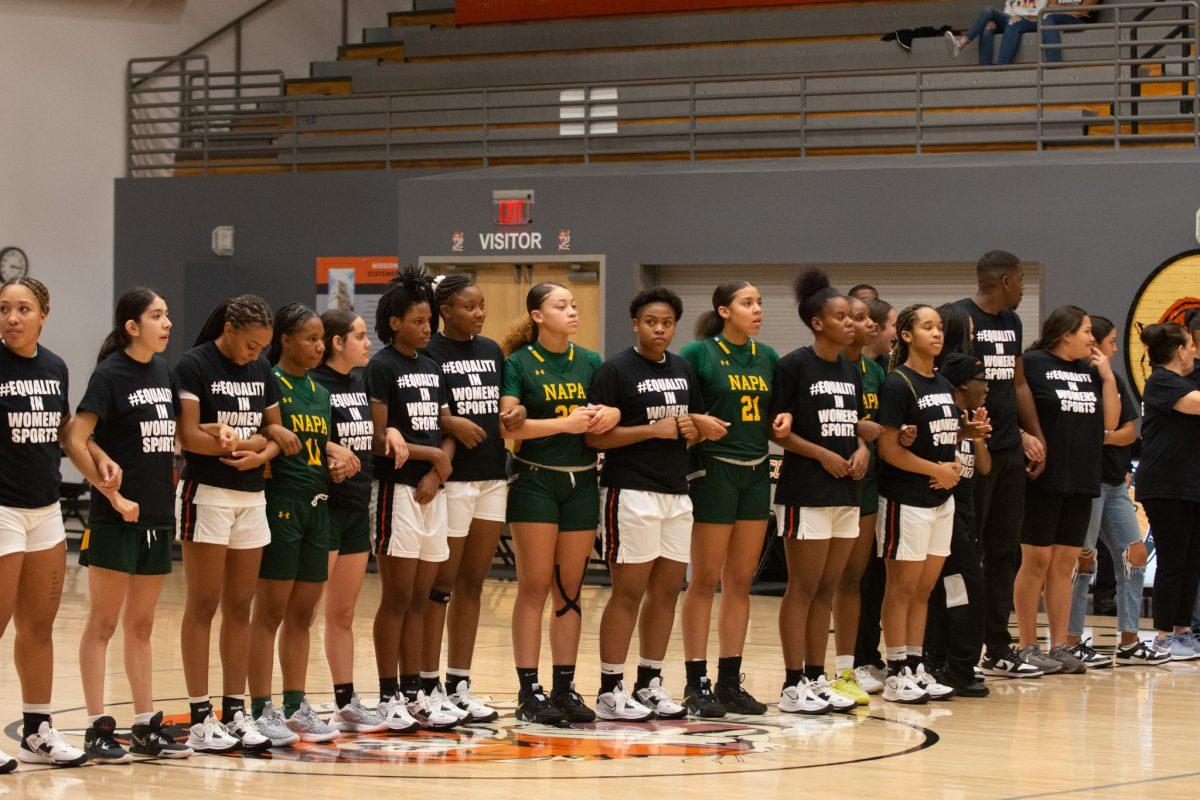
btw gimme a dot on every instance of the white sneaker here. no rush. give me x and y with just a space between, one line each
659 700
270 724
478 711
618 705
47 747
247 732
7 763
431 716
800 699
903 688
211 736
357 718
935 690
439 698
836 700
305 723
396 717
953 44
867 680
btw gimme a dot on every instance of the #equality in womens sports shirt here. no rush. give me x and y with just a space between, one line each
909 398
353 429
414 392
1068 395
471 370
997 341
33 400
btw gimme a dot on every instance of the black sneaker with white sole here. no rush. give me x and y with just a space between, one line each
1141 654
699 700
1090 658
149 739
534 706
1009 665
100 744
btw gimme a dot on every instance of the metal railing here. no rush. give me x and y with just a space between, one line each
186 119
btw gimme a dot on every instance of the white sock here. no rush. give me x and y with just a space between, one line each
427 675
648 663
916 651
143 719
201 699
458 673
896 653
843 662
35 708
612 669
92 719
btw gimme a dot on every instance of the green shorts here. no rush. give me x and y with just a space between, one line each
570 500
728 492
868 490
349 530
132 548
299 547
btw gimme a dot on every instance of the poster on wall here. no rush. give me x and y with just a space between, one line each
354 283
1167 295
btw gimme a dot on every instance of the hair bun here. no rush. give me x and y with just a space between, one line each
810 282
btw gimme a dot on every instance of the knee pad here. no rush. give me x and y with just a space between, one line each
570 603
438 596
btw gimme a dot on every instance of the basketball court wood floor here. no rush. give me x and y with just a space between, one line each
1123 733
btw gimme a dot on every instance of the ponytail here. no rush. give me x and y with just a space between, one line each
243 311
904 322
710 323
525 332
287 320
130 307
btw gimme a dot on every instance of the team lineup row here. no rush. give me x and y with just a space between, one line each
901 501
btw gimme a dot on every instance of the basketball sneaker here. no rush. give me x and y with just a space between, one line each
47 747
619 706
571 705
272 725
931 686
477 711
1089 657
823 689
903 688
440 699
1010 664
656 698
1142 654
1071 665
736 700
431 715
800 699
1032 654
245 729
534 706
846 683
357 718
699 700
868 679
7 763
101 746
396 718
149 739
211 736
305 723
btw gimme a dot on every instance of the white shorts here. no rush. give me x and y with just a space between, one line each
211 515
29 530
810 523
406 529
910 533
637 527
468 500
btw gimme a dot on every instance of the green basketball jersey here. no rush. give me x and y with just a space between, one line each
735 385
551 385
304 407
872 378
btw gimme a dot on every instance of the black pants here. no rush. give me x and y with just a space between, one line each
1175 526
999 510
870 594
954 635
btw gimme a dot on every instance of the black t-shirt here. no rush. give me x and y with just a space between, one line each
1168 467
232 394
472 372
964 490
825 401
646 391
33 403
414 392
135 409
1069 397
1117 459
997 341
910 398
352 429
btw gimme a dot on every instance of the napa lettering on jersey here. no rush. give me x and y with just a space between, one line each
564 391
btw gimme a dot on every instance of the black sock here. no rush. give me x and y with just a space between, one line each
896 667
453 679
527 677
792 677
914 661
33 721
729 670
428 685
609 681
230 706
410 685
342 693
696 670
564 676
645 675
388 687
814 672
200 711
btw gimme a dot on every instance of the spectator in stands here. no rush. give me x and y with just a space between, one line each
864 291
1065 12
1018 18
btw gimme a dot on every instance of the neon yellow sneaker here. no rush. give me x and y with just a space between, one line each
846 684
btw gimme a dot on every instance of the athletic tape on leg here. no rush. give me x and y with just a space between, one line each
438 596
572 603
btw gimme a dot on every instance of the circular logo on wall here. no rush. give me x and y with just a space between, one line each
1167 294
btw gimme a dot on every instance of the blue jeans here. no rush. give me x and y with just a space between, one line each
1010 38
1114 521
1055 37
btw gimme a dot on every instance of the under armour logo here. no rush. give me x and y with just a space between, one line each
724 363
539 372
284 515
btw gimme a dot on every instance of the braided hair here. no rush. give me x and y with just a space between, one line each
409 288
904 322
287 320
243 311
446 286
36 288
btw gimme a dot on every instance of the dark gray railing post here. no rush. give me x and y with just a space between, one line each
345 22
919 109
692 120
803 116
487 132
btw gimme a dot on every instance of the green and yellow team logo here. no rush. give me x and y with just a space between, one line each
1171 290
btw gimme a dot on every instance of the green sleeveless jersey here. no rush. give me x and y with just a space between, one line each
735 385
872 378
551 385
304 407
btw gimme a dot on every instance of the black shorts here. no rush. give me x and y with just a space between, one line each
1055 518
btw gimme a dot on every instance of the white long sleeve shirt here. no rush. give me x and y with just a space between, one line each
1024 8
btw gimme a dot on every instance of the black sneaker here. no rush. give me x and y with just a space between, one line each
101 747
149 739
968 687
534 706
572 705
737 700
700 701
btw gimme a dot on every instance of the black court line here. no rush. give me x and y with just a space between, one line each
1101 786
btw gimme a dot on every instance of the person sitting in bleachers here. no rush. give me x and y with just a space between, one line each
1018 18
1064 12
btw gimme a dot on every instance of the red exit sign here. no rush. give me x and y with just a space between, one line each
513 207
